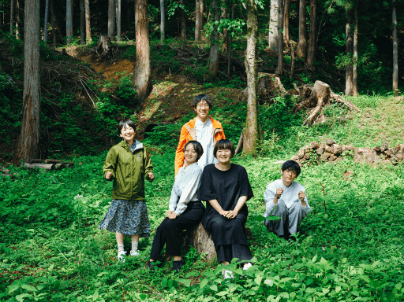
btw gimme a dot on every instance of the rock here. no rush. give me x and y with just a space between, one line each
307 156
322 145
325 156
330 142
328 149
388 153
301 152
377 149
400 157
385 146
336 149
367 155
333 157
320 151
315 145
393 150
295 158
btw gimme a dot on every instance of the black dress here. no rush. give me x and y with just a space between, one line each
226 187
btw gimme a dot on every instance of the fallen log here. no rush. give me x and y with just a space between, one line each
48 167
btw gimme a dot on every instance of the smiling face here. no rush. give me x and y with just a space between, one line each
288 176
202 110
190 154
128 134
223 156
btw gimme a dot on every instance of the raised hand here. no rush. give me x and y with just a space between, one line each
279 192
108 175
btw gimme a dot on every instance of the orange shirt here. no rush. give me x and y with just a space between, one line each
188 133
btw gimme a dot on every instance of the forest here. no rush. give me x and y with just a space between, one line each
315 81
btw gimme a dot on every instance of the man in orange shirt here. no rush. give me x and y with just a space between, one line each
203 129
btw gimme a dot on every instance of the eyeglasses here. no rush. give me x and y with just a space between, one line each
203 105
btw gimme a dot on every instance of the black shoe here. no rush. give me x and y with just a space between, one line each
177 265
152 266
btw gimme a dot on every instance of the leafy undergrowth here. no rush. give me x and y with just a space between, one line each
350 247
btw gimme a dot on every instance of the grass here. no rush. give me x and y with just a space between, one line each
352 249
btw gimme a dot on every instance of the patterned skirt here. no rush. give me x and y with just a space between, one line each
127 217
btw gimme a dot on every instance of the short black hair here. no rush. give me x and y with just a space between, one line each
291 165
124 123
202 97
224 144
197 147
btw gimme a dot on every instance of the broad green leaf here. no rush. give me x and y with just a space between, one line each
142 297
213 287
21 297
284 295
13 288
29 287
203 283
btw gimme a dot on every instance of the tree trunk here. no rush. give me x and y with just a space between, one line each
230 37
88 24
311 55
45 26
395 50
162 20
225 31
141 79
82 23
349 50
250 139
355 54
214 44
273 35
111 19
53 17
301 51
119 20
279 70
11 17
198 17
17 21
29 136
183 34
69 20
286 14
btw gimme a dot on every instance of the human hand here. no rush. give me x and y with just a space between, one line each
231 214
108 175
217 130
151 175
173 215
168 213
279 192
301 196
224 213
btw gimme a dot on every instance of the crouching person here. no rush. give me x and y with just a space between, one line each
286 199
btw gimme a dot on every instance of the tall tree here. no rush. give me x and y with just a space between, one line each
214 44
162 33
230 39
355 53
225 31
349 52
45 27
311 54
17 21
29 136
251 130
273 35
286 15
118 20
82 23
11 17
111 19
301 51
141 79
88 25
395 50
198 19
53 22
280 38
69 20
183 17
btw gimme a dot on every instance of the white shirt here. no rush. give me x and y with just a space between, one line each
204 135
185 188
289 195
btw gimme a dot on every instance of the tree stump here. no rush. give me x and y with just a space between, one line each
269 87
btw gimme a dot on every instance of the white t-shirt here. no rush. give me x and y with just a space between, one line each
204 135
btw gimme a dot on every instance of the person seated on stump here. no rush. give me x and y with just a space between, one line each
226 189
185 209
203 129
286 199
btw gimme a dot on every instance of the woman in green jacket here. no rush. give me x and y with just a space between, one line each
127 164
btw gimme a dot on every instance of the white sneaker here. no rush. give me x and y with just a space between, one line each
227 274
121 255
247 266
134 253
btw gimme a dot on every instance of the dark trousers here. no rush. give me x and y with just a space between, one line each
169 230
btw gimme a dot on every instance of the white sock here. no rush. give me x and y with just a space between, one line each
120 248
135 245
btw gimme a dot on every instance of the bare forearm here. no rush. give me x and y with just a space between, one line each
240 203
215 204
275 200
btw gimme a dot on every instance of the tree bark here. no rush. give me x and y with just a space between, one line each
162 21
111 19
311 55
355 54
198 19
273 35
279 70
230 39
119 20
53 17
301 51
286 14
214 44
183 17
395 50
88 24
11 17
82 23
29 136
141 79
349 51
225 31
17 21
45 26
69 20
250 139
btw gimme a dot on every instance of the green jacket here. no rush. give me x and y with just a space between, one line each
128 170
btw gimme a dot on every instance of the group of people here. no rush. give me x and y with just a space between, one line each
204 172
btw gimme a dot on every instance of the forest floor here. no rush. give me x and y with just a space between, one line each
349 248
